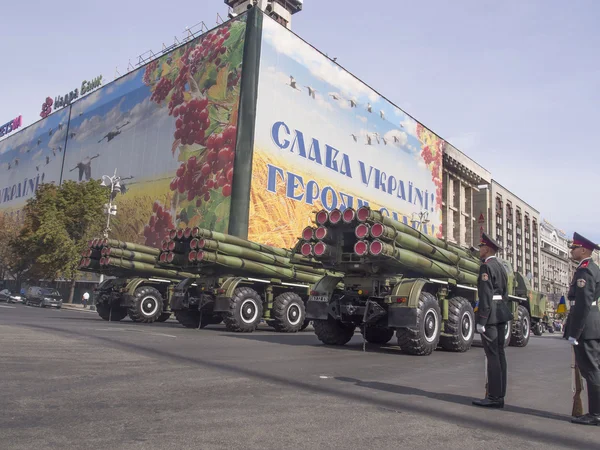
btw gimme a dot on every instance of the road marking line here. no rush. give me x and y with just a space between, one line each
9 307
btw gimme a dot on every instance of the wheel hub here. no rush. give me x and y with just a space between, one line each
430 325
525 327
249 311
149 306
294 314
466 327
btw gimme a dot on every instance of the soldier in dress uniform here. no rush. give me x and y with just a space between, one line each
583 324
492 319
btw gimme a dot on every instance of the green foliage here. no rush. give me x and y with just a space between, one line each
57 225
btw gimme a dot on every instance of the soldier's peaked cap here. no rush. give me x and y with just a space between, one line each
486 240
580 241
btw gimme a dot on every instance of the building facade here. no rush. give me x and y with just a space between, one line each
555 261
461 178
515 226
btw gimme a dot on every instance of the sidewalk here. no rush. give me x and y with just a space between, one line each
78 306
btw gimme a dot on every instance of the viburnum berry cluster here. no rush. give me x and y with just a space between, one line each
192 122
150 68
210 49
157 229
162 89
214 172
435 163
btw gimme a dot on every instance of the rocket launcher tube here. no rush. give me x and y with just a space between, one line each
419 263
389 234
133 247
131 255
365 214
228 239
253 268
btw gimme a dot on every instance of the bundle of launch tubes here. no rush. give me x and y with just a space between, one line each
118 258
203 251
350 239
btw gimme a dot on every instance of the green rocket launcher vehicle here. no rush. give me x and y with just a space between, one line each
397 279
136 287
238 281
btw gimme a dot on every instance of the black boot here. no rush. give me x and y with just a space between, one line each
490 402
588 419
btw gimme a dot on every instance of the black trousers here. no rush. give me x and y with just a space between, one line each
493 345
587 355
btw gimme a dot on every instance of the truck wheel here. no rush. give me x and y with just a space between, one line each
288 313
245 310
305 324
117 314
332 332
189 319
164 317
424 339
538 330
147 305
375 335
521 328
460 325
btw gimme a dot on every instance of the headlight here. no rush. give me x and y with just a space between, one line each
46 299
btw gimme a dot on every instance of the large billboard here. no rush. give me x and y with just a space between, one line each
324 139
169 131
29 158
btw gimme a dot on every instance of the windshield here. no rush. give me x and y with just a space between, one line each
49 292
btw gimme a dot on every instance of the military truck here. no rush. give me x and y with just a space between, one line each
398 280
134 287
238 281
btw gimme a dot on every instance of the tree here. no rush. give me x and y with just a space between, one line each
9 261
58 222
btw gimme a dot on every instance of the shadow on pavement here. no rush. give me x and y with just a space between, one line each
475 419
451 398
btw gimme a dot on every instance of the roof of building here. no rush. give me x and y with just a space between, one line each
515 196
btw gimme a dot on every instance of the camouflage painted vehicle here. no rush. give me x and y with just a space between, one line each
135 287
528 307
144 300
397 280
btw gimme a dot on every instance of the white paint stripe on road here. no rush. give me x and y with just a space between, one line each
135 331
6 306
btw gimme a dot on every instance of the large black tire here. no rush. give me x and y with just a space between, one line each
332 332
187 318
538 329
164 317
288 313
460 325
521 328
245 311
423 339
117 314
375 335
147 306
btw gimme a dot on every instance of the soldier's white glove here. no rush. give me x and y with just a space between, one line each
480 329
573 341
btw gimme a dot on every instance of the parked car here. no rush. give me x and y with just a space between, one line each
5 295
43 297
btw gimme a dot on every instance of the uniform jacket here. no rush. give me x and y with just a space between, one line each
584 317
492 282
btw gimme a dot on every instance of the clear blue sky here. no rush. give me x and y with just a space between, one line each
513 84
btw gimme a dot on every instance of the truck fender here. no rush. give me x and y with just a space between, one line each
409 288
319 306
229 286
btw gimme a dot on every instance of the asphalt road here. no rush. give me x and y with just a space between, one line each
69 380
